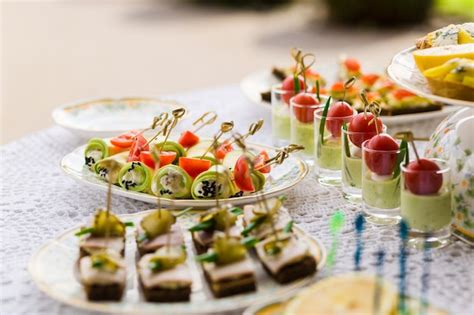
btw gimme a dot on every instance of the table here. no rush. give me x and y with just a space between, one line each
38 202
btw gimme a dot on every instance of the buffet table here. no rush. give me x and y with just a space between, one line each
38 202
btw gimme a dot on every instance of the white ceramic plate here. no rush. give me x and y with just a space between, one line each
107 117
51 268
253 84
404 72
280 179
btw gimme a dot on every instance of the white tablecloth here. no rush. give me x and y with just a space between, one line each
38 202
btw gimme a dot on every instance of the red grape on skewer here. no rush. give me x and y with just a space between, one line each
335 117
422 177
381 157
363 127
288 85
305 106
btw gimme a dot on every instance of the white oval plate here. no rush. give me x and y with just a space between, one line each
280 179
52 269
107 117
262 80
404 72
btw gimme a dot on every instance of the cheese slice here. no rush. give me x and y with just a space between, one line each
435 56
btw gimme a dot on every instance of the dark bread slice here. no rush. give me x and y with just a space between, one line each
294 271
109 292
165 295
230 289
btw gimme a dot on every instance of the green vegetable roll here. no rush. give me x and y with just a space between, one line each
258 180
135 176
98 149
206 187
172 181
109 168
169 146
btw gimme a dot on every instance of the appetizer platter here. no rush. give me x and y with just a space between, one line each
440 66
106 117
186 170
150 261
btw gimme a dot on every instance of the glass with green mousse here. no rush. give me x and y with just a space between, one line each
281 115
426 202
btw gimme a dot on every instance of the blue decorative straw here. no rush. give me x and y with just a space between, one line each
403 267
359 225
380 254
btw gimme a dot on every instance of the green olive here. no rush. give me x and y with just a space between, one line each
167 257
228 250
224 219
103 261
157 222
107 224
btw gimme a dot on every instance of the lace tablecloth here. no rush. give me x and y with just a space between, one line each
38 202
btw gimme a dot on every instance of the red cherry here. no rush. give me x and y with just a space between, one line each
305 112
289 86
361 123
336 113
352 64
422 177
383 161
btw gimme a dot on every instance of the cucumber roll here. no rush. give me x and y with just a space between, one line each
172 181
98 149
169 146
135 176
109 168
258 180
215 181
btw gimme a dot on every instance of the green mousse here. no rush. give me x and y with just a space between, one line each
383 194
352 171
303 134
281 123
426 213
328 155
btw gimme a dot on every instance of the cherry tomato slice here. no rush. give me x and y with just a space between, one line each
242 177
167 157
400 94
259 162
139 145
124 140
147 159
352 64
188 139
223 149
194 166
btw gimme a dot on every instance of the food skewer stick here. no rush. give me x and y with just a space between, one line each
282 154
164 128
347 85
225 127
157 121
375 109
253 128
177 115
409 137
214 147
212 118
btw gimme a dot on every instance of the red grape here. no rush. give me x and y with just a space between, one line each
422 177
383 158
305 112
288 85
336 113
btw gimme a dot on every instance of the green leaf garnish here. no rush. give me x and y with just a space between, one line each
288 227
129 224
98 264
282 198
154 265
207 257
317 90
401 155
84 231
322 125
236 211
206 225
296 84
407 156
347 150
249 241
272 251
252 225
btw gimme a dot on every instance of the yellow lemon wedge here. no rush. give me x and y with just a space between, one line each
464 37
349 294
435 56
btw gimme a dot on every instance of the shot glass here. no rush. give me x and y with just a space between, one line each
426 205
302 128
381 185
281 115
328 147
351 162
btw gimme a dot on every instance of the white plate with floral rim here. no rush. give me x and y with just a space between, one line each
281 178
106 117
52 269
404 72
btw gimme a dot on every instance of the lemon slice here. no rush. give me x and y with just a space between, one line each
349 294
435 56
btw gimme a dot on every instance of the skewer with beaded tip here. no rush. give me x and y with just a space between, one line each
202 122
224 128
253 129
